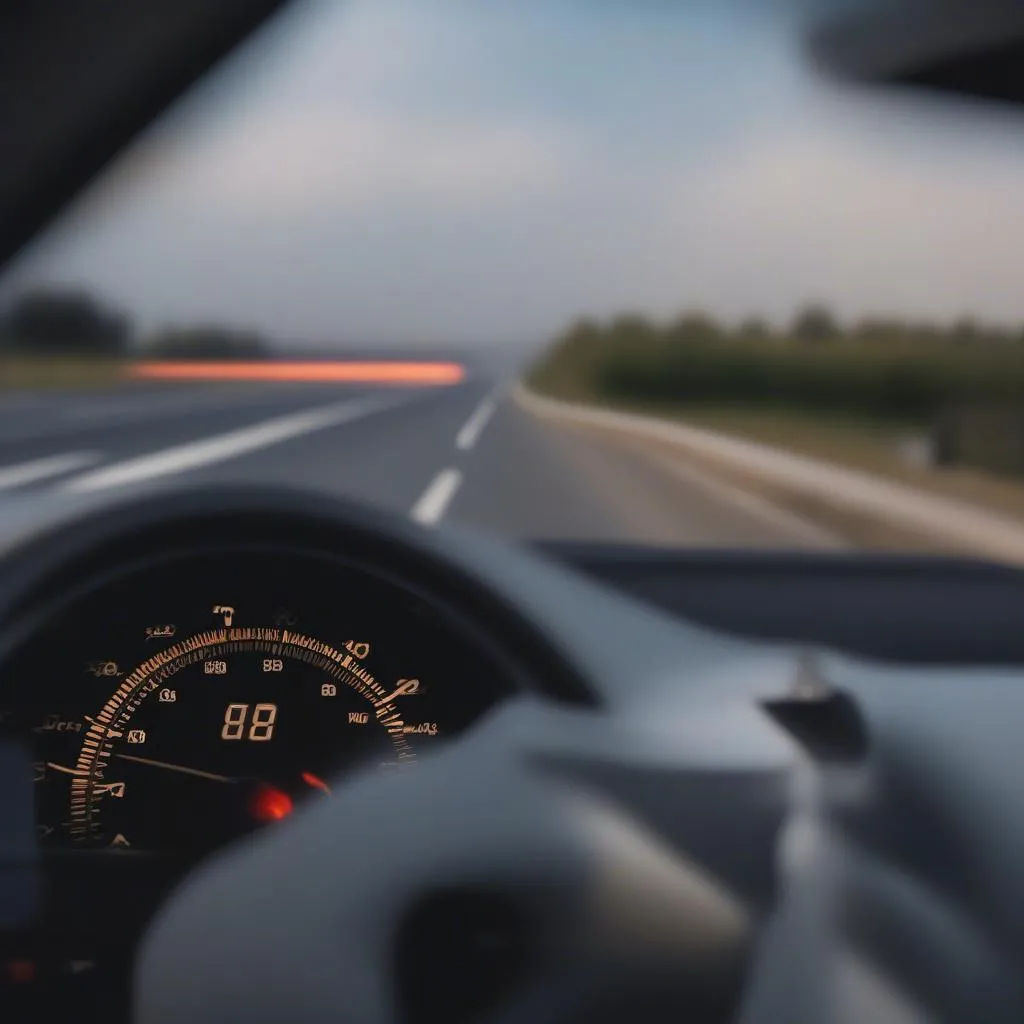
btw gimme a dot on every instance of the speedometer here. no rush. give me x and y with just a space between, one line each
166 720
229 728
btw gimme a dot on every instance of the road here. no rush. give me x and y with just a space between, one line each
466 453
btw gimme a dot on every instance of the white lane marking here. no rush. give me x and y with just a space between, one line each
221 447
436 498
40 469
474 426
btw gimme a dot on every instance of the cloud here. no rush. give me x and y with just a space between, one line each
285 165
868 222
289 165
475 172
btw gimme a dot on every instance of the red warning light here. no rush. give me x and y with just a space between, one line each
270 804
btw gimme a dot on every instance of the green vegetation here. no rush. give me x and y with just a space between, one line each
963 384
49 323
67 338
206 342
878 370
58 372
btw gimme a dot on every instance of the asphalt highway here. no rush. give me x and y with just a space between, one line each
465 453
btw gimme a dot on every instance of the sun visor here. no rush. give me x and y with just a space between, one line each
79 81
973 48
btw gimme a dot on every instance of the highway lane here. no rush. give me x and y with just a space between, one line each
466 453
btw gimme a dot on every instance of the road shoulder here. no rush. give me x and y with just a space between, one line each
866 510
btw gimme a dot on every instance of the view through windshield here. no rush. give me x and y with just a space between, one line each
552 268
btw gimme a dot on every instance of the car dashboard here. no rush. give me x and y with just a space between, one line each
185 673
181 689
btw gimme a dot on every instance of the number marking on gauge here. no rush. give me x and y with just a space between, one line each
422 729
405 688
115 719
226 610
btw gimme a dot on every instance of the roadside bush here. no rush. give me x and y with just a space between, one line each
63 322
207 342
881 369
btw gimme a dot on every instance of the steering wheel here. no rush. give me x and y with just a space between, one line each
723 858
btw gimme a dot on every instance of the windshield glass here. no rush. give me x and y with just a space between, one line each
553 268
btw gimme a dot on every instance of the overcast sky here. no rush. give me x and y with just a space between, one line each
482 171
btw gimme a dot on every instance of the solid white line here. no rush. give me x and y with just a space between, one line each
435 499
474 426
40 469
221 447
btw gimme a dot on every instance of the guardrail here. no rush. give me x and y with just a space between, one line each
965 525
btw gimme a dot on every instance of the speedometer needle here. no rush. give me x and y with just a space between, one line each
177 768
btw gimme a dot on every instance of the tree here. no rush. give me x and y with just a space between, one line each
64 322
583 332
632 325
815 324
695 328
965 331
877 329
754 328
207 341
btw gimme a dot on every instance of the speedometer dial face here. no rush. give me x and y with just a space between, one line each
171 718
229 728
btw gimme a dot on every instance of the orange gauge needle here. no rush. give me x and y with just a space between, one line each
315 782
176 768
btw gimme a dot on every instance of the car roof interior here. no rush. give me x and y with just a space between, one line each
82 78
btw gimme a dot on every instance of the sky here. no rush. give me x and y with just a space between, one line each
466 173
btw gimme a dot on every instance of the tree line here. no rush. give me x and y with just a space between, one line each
882 368
812 324
74 323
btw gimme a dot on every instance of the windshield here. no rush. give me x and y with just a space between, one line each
556 269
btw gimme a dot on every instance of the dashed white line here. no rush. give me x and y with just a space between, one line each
221 447
436 498
39 469
474 426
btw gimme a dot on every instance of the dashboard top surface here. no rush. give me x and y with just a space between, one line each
901 608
